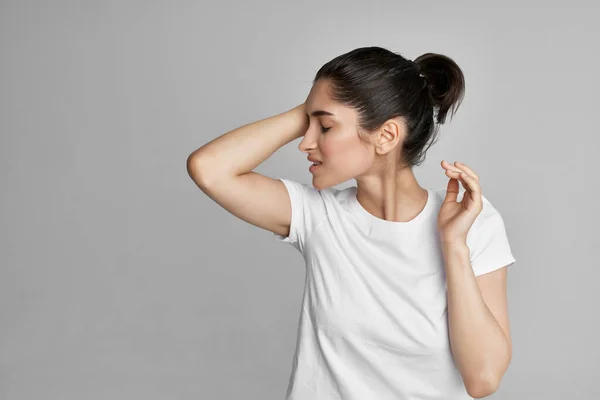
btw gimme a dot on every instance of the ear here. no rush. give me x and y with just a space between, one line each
391 134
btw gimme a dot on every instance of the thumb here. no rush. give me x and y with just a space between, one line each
451 190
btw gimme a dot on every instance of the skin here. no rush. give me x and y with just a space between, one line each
477 306
386 190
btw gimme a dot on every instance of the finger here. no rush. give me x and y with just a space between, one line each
472 186
451 190
466 168
447 166
458 177
454 174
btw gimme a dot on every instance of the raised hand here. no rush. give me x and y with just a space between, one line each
456 218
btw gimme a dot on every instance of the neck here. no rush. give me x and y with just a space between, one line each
394 196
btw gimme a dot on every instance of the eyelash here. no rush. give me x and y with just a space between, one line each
323 129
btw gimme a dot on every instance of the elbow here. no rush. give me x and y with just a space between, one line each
191 164
483 386
481 389
486 381
195 169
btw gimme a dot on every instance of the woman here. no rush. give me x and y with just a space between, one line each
405 292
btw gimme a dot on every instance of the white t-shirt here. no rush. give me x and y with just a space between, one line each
373 324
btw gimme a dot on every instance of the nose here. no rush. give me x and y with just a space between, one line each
303 145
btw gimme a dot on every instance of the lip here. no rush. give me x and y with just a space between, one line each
313 168
312 159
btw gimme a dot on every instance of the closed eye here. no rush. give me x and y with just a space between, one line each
323 129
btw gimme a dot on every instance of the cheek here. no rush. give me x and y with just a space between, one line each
344 153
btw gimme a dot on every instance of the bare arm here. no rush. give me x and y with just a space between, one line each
241 150
223 170
478 322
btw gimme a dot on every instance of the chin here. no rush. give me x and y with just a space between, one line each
321 184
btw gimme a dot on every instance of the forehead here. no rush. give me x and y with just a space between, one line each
319 99
320 91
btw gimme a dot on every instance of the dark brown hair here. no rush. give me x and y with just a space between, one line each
380 84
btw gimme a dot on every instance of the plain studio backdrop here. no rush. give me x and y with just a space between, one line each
120 279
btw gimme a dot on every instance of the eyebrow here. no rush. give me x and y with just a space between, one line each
320 113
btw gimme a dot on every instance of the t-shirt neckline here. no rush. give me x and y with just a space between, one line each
382 224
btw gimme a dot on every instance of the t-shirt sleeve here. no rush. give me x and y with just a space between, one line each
487 241
308 210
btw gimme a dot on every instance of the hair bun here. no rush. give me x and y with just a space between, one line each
446 82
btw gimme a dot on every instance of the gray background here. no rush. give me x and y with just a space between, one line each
120 279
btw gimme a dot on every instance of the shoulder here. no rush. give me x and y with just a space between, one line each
310 207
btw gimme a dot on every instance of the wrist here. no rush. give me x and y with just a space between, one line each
455 246
301 120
